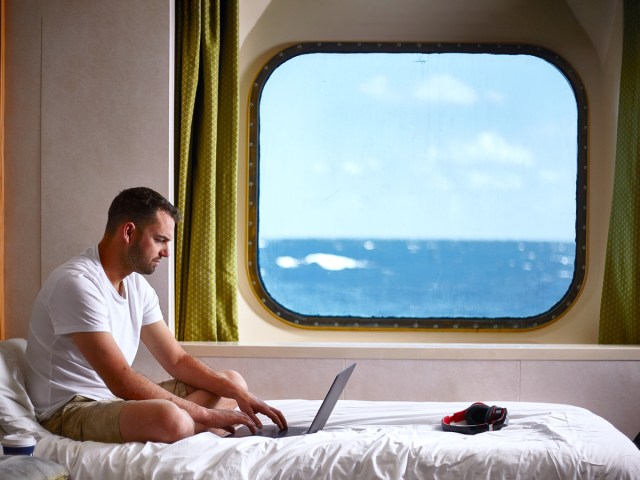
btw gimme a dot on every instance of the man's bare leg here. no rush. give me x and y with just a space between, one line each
163 421
155 421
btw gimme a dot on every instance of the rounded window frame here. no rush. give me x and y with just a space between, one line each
417 323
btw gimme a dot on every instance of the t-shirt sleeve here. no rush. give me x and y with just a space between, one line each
76 304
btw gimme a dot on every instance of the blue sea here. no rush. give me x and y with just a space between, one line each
416 278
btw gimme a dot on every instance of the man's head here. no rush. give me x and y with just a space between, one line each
140 227
139 205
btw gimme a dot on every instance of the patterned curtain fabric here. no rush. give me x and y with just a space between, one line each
620 310
207 108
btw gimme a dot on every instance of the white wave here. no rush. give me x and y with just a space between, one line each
326 261
288 262
334 262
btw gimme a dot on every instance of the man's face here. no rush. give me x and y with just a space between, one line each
150 244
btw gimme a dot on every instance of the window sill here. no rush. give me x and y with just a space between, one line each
416 351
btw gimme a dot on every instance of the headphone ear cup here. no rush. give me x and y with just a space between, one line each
478 414
491 415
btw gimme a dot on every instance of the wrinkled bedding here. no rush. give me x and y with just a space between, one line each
387 440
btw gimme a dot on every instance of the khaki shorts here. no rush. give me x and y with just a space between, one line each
82 418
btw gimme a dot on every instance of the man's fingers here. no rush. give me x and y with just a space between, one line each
278 418
254 419
253 406
275 415
283 421
252 423
226 419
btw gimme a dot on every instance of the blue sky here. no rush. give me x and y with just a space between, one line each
417 146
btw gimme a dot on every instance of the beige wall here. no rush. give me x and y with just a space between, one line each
89 112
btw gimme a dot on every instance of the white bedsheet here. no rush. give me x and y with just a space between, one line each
363 440
375 440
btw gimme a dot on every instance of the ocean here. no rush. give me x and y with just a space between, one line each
416 278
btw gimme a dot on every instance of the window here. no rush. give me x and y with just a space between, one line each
417 186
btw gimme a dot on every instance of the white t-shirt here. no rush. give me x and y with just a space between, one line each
78 297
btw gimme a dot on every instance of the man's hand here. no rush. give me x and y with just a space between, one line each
225 419
251 406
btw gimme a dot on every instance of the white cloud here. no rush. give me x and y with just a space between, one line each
377 87
486 161
490 147
443 88
320 168
484 148
360 166
439 88
550 176
433 172
494 96
493 181
352 168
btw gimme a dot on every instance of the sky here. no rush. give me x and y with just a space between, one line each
417 146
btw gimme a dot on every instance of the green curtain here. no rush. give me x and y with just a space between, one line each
620 310
206 137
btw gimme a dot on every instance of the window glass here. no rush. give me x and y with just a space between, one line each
422 186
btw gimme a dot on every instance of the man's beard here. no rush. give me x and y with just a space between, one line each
138 262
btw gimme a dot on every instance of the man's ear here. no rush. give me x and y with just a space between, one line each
127 231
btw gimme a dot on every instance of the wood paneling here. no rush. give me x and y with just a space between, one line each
2 85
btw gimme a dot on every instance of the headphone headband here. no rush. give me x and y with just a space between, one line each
478 417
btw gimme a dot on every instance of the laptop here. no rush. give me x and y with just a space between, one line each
319 421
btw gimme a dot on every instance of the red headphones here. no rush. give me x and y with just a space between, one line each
478 417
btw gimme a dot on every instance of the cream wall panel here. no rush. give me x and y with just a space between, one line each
22 162
105 116
91 114
609 389
286 377
436 380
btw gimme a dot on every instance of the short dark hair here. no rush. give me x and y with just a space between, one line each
140 206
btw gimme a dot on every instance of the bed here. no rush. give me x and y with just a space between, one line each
368 440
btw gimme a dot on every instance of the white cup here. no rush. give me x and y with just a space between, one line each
19 444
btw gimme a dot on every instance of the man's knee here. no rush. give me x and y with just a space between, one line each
176 423
235 377
156 420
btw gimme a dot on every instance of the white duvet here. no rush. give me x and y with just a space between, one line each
362 440
375 440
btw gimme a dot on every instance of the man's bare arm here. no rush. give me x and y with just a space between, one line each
182 366
105 357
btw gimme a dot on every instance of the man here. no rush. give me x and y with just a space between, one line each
85 330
